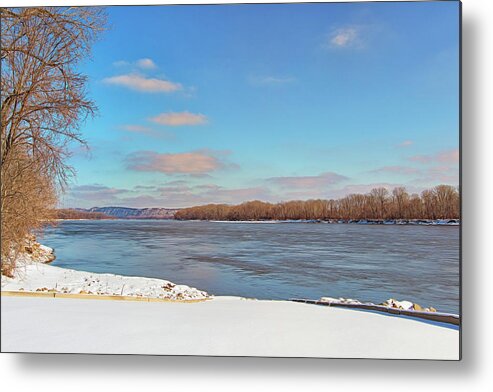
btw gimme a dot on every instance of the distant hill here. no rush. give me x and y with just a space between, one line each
135 213
70 213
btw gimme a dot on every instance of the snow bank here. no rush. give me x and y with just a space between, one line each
32 274
390 303
38 277
221 326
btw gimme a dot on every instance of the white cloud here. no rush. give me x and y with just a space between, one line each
194 162
179 119
344 37
146 63
143 84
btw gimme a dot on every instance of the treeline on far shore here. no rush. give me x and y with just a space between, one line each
69 213
440 202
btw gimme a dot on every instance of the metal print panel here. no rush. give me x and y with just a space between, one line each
274 180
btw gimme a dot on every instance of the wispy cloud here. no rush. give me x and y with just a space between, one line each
195 162
93 188
354 36
450 156
239 195
447 156
421 158
344 37
143 83
94 193
443 174
192 195
322 180
405 143
212 193
271 80
179 119
136 128
146 63
143 130
406 170
121 63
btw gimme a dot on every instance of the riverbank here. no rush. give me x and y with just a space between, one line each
39 279
412 222
34 275
401 222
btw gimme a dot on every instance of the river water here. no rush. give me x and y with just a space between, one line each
272 261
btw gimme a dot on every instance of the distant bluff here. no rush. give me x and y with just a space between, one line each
135 213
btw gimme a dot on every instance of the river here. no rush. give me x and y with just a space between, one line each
272 261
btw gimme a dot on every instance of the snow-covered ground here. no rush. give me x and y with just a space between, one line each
222 326
38 277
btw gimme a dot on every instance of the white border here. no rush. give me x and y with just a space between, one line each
127 373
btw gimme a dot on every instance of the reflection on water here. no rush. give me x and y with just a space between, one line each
278 261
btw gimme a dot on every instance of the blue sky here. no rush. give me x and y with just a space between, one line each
230 103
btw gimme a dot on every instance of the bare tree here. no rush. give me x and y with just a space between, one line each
400 198
429 203
44 102
446 197
379 196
